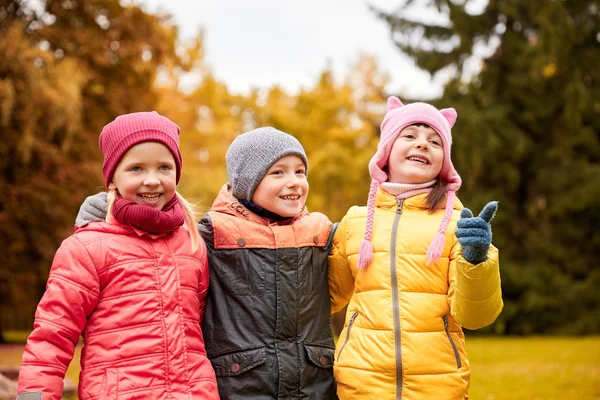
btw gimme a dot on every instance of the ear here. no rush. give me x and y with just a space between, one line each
393 102
112 185
450 115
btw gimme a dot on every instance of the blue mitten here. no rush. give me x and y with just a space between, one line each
94 208
475 233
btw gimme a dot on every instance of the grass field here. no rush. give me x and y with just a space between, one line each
534 368
501 368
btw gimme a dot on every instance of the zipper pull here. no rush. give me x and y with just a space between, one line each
399 208
445 318
353 317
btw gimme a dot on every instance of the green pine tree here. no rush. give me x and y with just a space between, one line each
528 134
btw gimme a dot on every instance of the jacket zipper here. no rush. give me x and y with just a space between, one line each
396 301
456 355
350 322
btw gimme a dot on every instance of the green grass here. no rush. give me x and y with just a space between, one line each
532 368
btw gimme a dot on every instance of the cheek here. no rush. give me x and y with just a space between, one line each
440 160
395 154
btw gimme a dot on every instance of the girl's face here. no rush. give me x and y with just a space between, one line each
146 175
284 188
416 156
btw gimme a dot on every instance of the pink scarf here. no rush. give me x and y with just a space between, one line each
147 218
406 190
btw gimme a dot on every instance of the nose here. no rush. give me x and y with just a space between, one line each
422 144
151 180
293 181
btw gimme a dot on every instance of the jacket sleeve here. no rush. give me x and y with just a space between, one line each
341 279
475 294
71 295
205 229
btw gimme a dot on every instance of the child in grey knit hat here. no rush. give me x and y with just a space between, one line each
267 326
267 322
249 159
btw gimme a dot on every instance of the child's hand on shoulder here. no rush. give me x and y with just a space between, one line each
475 233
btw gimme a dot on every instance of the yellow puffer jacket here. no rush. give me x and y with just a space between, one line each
403 338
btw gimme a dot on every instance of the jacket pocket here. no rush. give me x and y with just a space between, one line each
350 323
454 349
109 389
240 272
237 363
314 270
319 356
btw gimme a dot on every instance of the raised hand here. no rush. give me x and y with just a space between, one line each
475 233
93 208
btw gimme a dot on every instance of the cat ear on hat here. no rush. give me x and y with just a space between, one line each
393 102
450 115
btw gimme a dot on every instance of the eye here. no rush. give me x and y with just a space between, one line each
277 172
135 169
301 171
409 136
165 167
435 142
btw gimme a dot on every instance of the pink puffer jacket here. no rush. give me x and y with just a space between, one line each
137 300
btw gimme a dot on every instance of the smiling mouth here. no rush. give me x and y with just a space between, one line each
290 197
421 160
150 197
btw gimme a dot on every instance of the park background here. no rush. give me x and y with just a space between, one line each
522 74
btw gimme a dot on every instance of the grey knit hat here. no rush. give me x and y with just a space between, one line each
251 154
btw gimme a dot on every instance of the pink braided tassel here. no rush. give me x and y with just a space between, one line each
365 254
434 252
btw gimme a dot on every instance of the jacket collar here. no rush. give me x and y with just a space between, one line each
119 228
384 199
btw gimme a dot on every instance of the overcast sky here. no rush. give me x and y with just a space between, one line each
260 43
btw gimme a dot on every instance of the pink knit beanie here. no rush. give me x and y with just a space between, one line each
398 117
130 129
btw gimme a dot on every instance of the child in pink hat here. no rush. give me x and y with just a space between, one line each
133 287
413 266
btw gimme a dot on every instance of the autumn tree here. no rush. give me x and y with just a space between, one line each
65 71
336 120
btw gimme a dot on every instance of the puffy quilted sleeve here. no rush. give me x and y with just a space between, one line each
475 294
71 296
341 279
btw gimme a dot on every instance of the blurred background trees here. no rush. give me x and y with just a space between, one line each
524 78
522 75
65 71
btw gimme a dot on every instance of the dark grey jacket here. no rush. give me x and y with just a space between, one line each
267 326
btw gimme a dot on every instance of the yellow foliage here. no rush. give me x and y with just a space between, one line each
336 122
549 70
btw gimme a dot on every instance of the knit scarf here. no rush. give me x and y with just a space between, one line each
147 218
405 190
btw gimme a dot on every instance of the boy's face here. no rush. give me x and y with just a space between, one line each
146 175
284 188
416 156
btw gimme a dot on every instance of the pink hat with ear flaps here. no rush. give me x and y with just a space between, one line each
398 117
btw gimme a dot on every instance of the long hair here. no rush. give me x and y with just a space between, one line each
436 196
191 216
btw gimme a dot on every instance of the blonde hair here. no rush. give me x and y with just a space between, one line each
191 216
